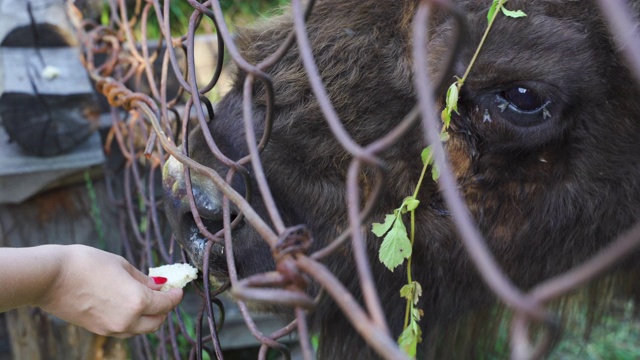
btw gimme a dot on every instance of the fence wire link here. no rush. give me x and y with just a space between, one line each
147 132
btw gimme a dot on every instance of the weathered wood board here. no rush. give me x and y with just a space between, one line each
47 103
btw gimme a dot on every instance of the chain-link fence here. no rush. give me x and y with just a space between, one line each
159 117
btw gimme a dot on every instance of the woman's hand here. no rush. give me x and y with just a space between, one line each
91 288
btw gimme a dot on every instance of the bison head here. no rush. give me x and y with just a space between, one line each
544 147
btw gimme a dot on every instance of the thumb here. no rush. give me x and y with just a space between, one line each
146 280
155 282
163 302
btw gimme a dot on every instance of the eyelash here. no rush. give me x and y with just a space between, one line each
520 105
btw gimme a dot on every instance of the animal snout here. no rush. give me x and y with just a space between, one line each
208 203
207 198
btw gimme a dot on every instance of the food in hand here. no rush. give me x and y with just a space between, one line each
177 275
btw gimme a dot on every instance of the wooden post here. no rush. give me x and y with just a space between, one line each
36 335
47 103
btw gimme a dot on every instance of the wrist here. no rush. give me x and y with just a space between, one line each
52 270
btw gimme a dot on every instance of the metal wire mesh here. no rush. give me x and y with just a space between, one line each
147 133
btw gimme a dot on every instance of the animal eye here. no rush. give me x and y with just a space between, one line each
521 106
522 99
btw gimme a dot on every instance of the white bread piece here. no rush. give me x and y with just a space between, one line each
178 275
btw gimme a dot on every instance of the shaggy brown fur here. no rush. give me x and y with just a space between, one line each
545 150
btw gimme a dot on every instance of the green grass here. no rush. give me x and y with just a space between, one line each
617 336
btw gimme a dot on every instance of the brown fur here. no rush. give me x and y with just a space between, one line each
546 197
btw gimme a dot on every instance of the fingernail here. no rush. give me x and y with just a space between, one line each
159 280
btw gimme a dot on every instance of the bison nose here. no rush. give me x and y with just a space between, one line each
208 201
207 198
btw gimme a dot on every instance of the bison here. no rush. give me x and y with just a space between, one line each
544 148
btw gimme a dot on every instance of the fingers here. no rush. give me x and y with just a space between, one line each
147 307
163 302
149 316
154 284
155 313
144 325
144 279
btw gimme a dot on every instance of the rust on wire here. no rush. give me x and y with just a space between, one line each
147 131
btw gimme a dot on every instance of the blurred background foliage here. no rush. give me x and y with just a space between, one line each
237 13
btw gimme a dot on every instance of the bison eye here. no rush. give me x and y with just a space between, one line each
522 106
523 99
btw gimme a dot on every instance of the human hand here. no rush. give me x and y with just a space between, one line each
105 294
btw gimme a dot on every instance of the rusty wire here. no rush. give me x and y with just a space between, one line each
148 133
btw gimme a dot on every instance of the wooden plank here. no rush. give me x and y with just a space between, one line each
14 14
47 102
36 335
22 70
22 175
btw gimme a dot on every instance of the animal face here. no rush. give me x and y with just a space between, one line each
544 147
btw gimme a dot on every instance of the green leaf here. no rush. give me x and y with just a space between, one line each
445 116
427 155
417 292
408 341
408 290
435 172
513 14
396 246
380 229
416 315
452 97
428 159
451 103
492 9
410 203
412 292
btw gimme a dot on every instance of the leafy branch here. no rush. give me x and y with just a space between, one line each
454 90
397 243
